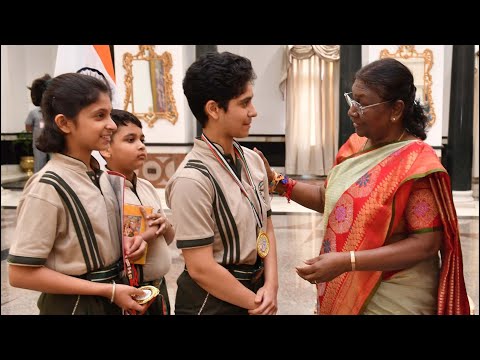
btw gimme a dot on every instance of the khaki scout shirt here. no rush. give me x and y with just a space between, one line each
158 259
45 233
210 209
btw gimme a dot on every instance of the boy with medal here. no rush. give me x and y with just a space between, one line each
125 155
219 199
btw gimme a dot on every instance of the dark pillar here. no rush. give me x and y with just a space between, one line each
350 63
112 54
203 49
199 51
460 123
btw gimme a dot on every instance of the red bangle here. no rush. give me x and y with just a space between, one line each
288 192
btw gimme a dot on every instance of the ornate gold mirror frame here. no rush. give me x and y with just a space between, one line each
420 66
148 85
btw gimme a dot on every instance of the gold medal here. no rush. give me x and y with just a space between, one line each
149 292
263 244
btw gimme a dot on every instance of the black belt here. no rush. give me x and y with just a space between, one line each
104 275
244 272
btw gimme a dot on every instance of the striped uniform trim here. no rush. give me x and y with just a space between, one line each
80 219
24 260
104 275
194 243
227 227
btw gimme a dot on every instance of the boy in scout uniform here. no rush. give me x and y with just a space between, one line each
219 199
127 153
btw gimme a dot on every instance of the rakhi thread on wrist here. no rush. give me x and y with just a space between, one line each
285 181
289 188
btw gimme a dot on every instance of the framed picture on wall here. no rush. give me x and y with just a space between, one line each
149 85
420 64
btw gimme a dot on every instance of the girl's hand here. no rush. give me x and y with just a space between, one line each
124 297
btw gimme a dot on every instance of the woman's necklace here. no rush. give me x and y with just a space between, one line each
400 138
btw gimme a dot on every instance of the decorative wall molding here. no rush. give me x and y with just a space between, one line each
160 91
159 168
408 55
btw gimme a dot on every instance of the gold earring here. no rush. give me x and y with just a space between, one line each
393 119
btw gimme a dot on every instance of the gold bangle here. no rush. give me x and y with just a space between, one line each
113 292
352 259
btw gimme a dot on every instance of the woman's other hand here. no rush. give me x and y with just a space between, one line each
325 267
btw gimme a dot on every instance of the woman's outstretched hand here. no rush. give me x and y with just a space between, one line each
270 174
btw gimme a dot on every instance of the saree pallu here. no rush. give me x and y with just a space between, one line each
371 207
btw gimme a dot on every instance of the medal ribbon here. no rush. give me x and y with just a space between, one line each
227 167
239 152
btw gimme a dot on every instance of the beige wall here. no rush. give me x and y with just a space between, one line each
267 63
21 64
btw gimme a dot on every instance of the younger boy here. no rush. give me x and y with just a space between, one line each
127 153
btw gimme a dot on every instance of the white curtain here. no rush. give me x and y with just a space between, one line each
310 83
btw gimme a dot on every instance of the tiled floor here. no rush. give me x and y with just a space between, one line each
297 230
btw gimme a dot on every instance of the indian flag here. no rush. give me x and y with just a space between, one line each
93 60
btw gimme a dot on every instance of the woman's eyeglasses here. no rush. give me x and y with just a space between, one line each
359 108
